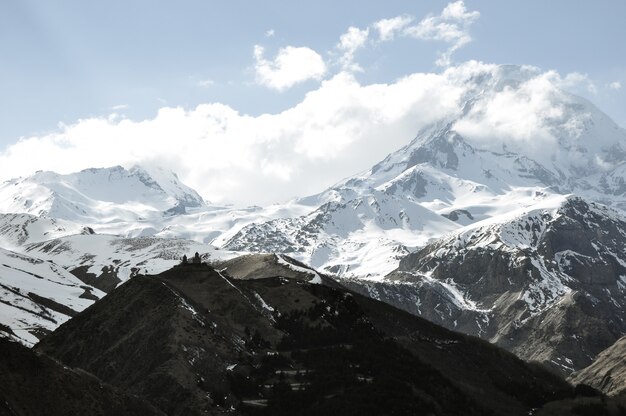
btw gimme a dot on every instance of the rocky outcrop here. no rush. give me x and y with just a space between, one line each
607 373
547 285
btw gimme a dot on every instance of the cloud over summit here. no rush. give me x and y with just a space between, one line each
338 129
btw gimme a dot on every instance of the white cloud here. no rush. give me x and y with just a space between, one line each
292 65
333 132
615 85
457 11
452 27
572 81
533 113
388 28
351 41
270 33
120 107
340 128
206 83
512 117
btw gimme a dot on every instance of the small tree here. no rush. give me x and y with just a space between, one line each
185 259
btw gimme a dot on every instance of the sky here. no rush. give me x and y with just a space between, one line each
261 101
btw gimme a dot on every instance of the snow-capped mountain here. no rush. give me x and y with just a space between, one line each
471 166
451 176
95 196
548 283
358 237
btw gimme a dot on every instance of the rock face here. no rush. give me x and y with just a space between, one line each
260 266
33 384
548 284
607 373
194 341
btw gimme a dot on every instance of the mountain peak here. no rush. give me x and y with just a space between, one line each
96 194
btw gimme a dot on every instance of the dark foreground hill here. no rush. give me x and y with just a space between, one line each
33 385
193 341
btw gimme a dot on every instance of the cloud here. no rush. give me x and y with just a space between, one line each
341 127
120 107
228 156
532 112
572 81
270 33
512 117
291 66
206 83
351 41
615 86
388 28
451 26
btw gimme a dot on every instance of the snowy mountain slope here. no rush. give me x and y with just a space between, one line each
548 283
211 225
37 296
105 261
130 203
555 139
360 237
99 195
19 229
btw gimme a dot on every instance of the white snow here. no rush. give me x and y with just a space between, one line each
263 303
21 275
316 277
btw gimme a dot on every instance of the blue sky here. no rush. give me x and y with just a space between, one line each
65 61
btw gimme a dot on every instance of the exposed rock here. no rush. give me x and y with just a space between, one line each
607 373
547 285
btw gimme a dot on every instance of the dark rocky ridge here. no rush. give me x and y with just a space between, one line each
33 384
193 341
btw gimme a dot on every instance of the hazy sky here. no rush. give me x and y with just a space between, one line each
147 80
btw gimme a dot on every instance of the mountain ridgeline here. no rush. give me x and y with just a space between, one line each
194 340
